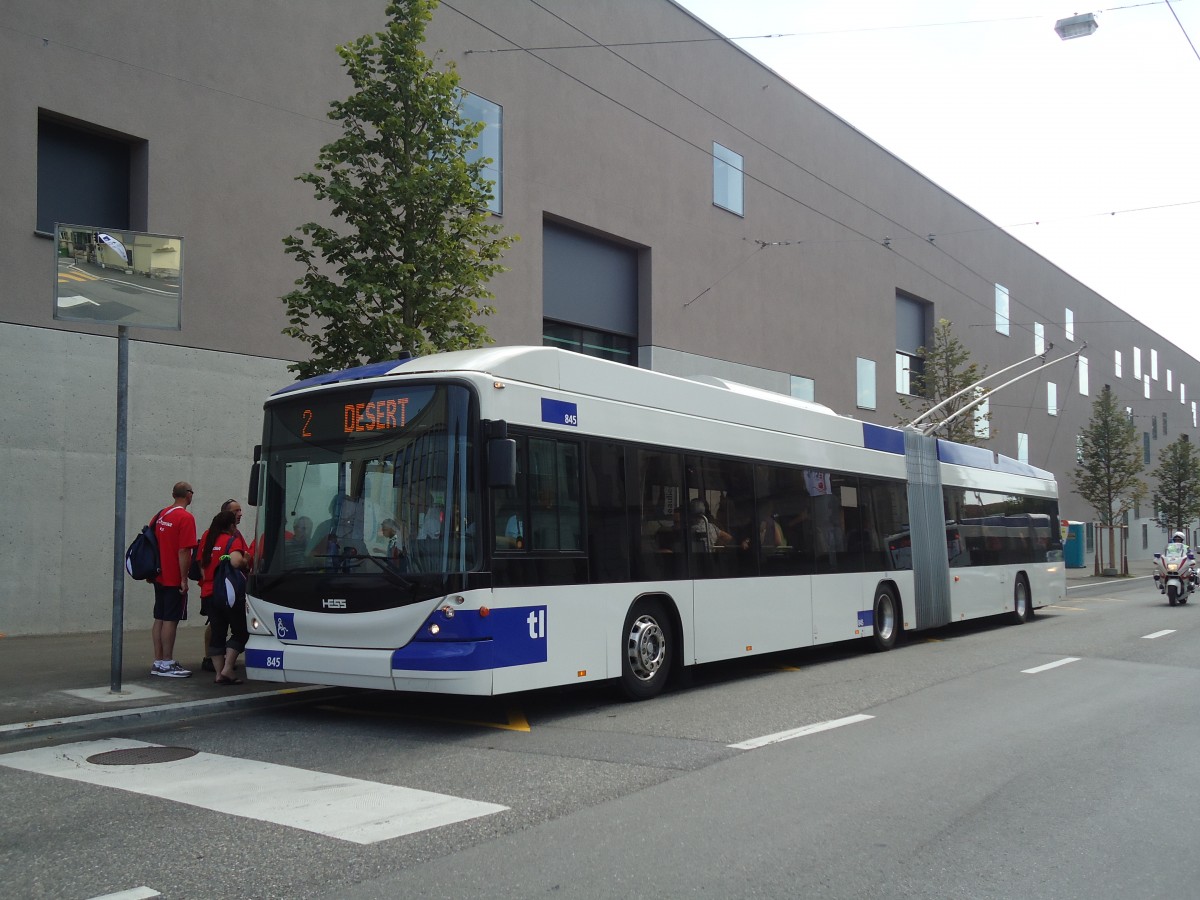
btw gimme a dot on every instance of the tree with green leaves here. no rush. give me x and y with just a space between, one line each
1177 491
944 369
410 269
1109 474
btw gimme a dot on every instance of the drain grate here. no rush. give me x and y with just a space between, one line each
139 756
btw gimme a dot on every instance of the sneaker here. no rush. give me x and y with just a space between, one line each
207 665
175 670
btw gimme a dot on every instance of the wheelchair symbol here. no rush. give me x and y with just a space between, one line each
281 628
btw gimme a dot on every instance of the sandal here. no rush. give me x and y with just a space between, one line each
222 680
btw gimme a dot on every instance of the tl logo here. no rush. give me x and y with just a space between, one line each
537 623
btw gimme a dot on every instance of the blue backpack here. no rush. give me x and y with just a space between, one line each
141 557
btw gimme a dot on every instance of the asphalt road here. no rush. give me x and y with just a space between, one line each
958 772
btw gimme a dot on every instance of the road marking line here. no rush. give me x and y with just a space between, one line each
755 743
1157 634
348 809
1068 608
1053 665
137 893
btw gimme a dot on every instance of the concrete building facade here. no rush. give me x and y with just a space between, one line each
680 207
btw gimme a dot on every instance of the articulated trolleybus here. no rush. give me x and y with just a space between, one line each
499 520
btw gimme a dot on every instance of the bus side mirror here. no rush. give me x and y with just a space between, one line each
502 463
252 491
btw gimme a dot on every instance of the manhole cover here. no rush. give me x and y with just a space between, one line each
140 756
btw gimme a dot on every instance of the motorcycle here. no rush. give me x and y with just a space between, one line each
1175 573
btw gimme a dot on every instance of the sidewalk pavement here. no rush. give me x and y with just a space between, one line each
55 683
52 683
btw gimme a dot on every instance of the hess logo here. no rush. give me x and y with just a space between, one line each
333 603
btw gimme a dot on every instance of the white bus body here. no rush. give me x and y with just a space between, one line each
656 522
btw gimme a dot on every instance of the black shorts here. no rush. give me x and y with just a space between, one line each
170 603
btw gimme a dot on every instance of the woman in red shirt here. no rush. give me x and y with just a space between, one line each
229 632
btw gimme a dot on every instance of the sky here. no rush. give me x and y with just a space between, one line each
1085 150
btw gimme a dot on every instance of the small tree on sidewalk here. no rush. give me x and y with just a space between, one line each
1177 486
942 370
1110 466
410 271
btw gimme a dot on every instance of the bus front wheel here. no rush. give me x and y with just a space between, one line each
1022 603
886 620
649 647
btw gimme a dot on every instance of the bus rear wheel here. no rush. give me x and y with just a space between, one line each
886 619
649 648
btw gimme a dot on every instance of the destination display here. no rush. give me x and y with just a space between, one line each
337 417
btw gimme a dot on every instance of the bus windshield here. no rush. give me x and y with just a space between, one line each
369 484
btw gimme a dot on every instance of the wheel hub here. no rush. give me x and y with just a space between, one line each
647 648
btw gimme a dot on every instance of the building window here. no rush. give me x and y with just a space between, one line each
866 383
728 179
489 144
1164 417
1089 537
1154 364
1039 338
1079 448
1146 447
590 342
913 331
804 388
87 176
1051 398
1002 309
983 424
1182 393
1069 325
1193 413
590 288
1169 388
1146 385
1137 363
1117 363
1022 447
1083 376
1154 427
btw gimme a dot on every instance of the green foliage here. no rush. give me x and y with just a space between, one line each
1177 491
945 370
410 269
1109 473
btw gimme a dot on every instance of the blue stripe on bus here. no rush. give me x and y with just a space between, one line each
879 437
517 637
981 458
371 370
866 618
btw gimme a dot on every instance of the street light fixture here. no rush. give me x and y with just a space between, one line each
1076 26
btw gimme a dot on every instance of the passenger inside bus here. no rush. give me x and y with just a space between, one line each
706 535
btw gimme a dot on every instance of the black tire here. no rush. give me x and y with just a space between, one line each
648 651
886 620
1022 601
1172 594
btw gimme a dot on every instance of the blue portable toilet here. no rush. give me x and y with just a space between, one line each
1075 549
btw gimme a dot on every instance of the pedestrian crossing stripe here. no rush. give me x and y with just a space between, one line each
64 277
349 809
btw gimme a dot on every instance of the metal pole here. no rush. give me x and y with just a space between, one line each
118 614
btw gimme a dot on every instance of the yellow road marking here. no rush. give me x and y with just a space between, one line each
516 718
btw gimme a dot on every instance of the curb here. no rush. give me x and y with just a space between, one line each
49 729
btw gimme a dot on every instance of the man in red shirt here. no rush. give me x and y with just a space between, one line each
176 531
